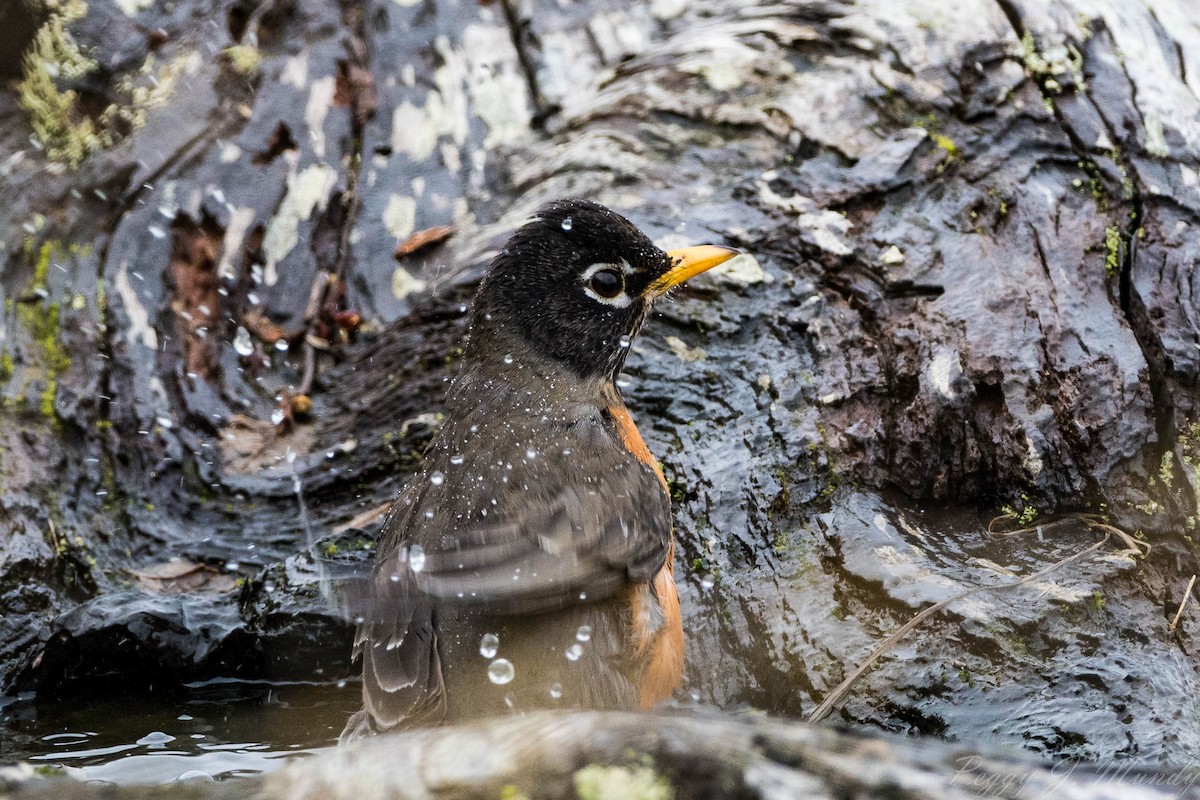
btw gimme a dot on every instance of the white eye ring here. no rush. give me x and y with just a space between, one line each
622 300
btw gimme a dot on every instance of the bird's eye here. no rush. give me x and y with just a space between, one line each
607 283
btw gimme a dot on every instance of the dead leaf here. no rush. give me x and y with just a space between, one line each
180 576
263 329
422 239
196 300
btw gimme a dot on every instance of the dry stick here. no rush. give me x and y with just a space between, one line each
1182 604
837 695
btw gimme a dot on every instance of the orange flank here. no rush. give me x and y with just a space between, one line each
633 441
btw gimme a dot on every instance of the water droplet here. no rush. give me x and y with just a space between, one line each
624 342
429 514
707 581
501 671
556 690
583 595
156 232
195 776
253 299
242 344
624 381
456 460
530 454
574 652
509 700
584 633
232 566
277 416
567 224
508 359
416 558
488 645
184 718
156 739
281 345
437 478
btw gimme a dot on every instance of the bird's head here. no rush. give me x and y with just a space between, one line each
573 286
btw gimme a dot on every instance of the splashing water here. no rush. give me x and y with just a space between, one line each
242 344
416 558
488 645
567 224
584 633
501 671
574 652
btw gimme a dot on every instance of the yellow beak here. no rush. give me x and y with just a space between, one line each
687 262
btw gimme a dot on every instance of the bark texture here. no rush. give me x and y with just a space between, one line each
974 226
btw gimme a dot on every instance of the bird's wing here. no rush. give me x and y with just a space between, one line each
547 516
536 520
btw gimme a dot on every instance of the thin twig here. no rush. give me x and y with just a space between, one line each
836 697
1182 604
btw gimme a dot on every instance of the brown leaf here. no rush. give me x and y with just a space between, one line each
194 285
263 329
180 576
422 239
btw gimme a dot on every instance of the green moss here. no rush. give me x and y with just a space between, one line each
1112 252
1023 516
621 783
6 366
1149 508
43 324
243 59
511 792
1097 600
1166 469
945 142
66 132
67 135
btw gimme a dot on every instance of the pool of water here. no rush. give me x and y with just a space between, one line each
209 731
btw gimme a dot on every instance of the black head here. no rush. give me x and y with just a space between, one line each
574 286
569 285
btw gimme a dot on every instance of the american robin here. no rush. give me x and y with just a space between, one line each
529 563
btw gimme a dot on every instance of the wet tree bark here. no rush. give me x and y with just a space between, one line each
589 756
975 231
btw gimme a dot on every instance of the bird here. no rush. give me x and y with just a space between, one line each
529 562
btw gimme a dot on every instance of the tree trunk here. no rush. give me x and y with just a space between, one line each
974 230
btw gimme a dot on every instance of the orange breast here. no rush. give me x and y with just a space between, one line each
632 439
662 649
